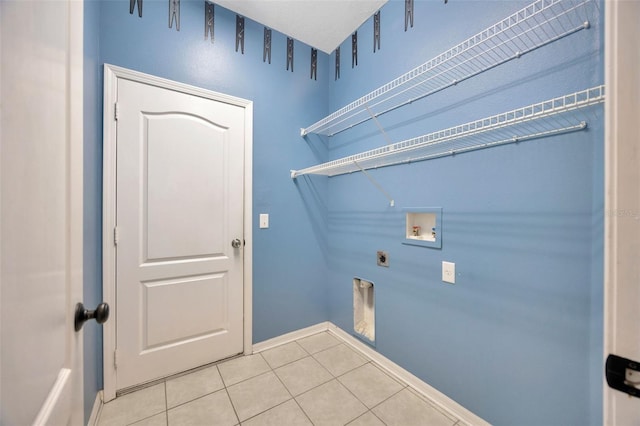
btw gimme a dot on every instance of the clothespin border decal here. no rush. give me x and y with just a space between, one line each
289 53
376 31
132 6
337 76
314 64
240 33
266 50
354 49
408 13
209 15
174 14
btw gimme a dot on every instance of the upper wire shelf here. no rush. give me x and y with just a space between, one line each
551 117
534 26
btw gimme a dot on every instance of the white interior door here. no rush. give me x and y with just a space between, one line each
41 212
179 208
622 219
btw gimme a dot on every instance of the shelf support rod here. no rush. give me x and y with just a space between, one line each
375 119
376 184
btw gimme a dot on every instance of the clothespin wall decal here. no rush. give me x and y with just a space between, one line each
408 13
208 20
240 33
376 31
266 50
174 13
314 63
132 6
337 63
354 49
289 53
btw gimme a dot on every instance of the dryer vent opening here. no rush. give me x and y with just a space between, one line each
364 318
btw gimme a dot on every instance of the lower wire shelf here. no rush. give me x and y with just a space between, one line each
555 116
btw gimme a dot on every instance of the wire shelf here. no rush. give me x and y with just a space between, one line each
551 117
534 26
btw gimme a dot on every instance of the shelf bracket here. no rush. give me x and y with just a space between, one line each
392 202
375 119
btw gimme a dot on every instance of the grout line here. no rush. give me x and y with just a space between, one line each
386 399
194 399
292 397
447 414
166 405
337 342
264 411
376 416
291 362
355 396
446 411
232 405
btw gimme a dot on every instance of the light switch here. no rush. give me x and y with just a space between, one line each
449 272
264 220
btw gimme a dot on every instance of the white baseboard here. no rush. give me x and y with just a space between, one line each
436 397
96 410
290 337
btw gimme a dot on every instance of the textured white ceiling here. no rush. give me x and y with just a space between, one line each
322 24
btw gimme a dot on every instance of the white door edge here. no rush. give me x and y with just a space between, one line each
58 402
111 75
621 159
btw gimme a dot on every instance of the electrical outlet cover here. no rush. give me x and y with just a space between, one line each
449 272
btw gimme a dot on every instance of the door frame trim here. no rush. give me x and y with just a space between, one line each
621 159
111 75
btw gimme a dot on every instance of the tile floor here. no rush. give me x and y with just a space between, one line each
317 380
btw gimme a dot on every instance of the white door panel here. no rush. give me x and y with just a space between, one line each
179 205
185 183
41 212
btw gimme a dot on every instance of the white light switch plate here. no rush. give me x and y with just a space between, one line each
264 221
449 272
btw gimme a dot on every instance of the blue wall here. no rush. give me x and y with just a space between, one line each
289 258
288 261
518 338
92 224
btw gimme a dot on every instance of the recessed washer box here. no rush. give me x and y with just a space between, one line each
423 226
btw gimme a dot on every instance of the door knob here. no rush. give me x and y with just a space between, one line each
100 314
236 243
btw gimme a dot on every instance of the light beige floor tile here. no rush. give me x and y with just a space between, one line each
287 414
302 375
318 342
367 419
407 409
370 385
212 409
157 420
339 359
330 404
242 368
134 406
194 385
428 401
281 355
258 394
